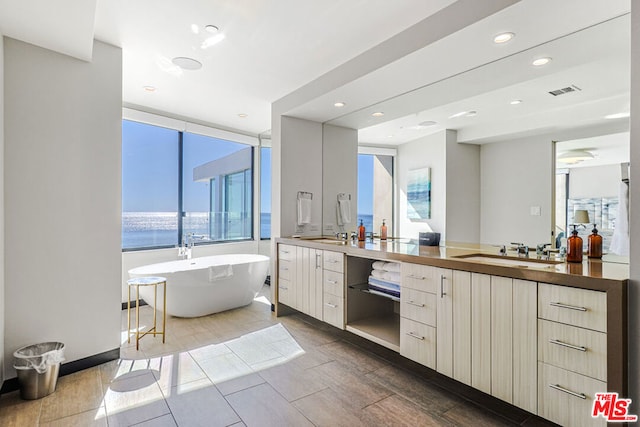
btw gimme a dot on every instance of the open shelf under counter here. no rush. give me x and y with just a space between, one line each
383 330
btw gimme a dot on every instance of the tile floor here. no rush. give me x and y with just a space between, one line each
245 367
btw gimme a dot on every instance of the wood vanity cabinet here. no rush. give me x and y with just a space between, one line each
300 272
572 353
333 289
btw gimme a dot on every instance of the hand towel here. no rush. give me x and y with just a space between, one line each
620 239
304 210
219 272
343 209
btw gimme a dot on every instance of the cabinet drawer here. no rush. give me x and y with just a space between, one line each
576 307
418 342
576 349
287 252
333 261
284 269
566 398
333 310
420 277
285 292
334 283
418 306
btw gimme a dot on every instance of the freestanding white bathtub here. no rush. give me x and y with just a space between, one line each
206 285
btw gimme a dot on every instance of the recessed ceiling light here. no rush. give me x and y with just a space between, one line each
378 114
427 123
339 104
541 61
211 29
503 38
617 116
575 156
243 115
186 63
460 114
389 136
149 88
471 113
516 102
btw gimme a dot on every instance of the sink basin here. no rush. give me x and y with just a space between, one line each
333 241
510 261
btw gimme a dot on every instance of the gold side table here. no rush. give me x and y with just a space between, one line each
147 281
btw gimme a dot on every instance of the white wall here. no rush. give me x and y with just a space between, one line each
2 294
63 199
516 176
301 170
597 181
634 220
339 155
424 152
463 190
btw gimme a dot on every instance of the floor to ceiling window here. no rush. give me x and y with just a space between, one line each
375 191
265 192
180 185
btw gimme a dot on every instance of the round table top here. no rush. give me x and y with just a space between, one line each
144 281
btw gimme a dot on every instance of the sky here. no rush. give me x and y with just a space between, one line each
150 170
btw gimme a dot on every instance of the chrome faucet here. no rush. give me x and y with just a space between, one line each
342 236
185 249
521 249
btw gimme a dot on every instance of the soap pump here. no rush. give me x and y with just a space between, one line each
594 244
383 231
574 246
361 232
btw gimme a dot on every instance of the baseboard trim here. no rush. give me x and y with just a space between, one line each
69 368
133 304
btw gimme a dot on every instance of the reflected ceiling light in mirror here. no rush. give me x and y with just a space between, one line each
149 88
618 116
427 123
541 61
516 102
503 38
243 115
471 113
575 156
339 104
460 114
186 63
211 28
378 114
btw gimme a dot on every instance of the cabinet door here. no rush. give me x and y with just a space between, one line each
315 283
525 366
461 312
305 283
481 332
444 326
502 338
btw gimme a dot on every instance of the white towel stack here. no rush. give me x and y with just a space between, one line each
385 278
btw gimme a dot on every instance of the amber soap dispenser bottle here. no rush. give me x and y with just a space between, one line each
383 231
574 246
595 244
361 232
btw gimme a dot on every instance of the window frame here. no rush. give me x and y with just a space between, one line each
185 127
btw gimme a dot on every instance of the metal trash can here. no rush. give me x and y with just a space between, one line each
38 366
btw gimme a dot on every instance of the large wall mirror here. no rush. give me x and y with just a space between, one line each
579 98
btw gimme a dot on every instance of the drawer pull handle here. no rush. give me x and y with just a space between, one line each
564 390
413 276
284 268
318 261
284 288
416 336
415 303
564 344
442 292
333 282
570 307
328 304
284 252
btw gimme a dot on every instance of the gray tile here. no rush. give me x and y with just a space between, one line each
163 421
397 411
326 408
263 406
293 382
200 404
358 358
240 383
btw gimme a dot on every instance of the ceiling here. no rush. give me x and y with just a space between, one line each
274 48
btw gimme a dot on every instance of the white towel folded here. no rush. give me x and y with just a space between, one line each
343 209
219 272
386 266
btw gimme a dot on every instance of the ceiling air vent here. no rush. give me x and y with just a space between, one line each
564 90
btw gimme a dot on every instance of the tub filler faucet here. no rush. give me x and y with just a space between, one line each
184 251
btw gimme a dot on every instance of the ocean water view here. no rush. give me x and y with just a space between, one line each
153 229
